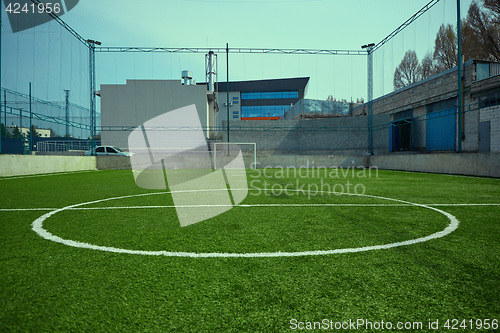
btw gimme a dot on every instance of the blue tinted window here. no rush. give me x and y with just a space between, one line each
235 102
235 116
442 105
264 110
403 115
235 112
235 97
270 95
490 99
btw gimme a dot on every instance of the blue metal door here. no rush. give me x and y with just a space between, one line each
441 130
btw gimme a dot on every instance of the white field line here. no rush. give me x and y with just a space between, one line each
47 174
249 206
37 226
24 209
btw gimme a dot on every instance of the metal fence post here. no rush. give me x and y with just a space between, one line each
459 74
370 98
227 88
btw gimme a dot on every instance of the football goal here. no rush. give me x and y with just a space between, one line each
223 152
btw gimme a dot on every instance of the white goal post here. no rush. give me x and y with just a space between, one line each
253 165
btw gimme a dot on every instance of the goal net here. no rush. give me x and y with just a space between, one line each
224 152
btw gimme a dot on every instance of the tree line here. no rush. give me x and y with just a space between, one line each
16 132
480 37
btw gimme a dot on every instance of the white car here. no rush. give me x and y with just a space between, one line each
107 150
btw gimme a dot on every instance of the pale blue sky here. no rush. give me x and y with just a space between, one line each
317 24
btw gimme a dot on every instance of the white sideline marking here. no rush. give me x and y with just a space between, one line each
465 204
47 174
251 205
24 209
37 226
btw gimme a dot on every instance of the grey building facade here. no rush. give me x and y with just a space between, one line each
424 116
126 106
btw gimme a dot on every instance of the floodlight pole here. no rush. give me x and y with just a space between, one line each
91 44
5 110
5 124
31 124
459 74
227 89
369 49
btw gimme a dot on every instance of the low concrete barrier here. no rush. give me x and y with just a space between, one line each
473 164
14 165
113 162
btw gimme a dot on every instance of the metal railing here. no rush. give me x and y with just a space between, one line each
63 146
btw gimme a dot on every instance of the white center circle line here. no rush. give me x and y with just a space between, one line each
37 226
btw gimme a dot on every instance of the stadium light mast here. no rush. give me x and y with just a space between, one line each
5 125
91 44
369 49
31 122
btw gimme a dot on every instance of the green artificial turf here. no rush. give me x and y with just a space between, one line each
48 286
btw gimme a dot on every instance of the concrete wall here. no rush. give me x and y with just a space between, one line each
13 165
473 164
476 164
113 162
311 136
133 103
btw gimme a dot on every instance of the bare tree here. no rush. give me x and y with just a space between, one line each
480 36
428 66
472 47
408 71
445 48
481 31
494 7
480 40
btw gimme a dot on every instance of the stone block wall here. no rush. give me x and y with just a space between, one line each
311 136
492 114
